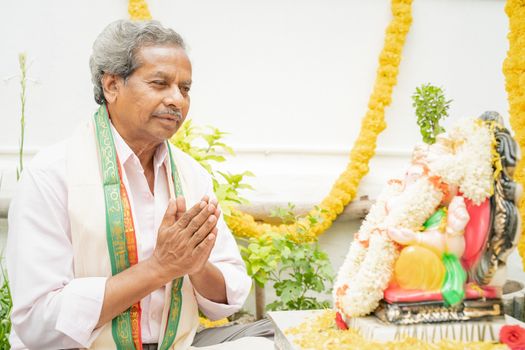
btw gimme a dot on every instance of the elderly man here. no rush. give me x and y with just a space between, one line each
115 237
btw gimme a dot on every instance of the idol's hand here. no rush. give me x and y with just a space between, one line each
185 238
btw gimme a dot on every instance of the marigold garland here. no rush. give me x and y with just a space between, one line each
345 187
514 71
207 323
321 333
138 10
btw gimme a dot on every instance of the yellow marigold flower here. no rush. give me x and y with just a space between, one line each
514 71
138 10
212 324
345 187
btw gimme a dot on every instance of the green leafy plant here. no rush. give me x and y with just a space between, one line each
431 107
5 312
206 146
22 59
296 270
6 302
228 192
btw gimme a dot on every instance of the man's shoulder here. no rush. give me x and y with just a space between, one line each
50 159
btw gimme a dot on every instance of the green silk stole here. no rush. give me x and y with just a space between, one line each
122 328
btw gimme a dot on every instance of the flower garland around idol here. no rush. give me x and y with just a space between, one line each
369 264
514 71
345 187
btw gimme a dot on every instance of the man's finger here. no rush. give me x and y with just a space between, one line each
186 218
203 231
169 215
181 207
199 220
204 248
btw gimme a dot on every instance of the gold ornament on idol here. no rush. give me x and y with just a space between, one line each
514 71
345 187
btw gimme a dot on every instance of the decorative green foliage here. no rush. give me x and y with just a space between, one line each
295 269
228 192
211 148
431 106
205 146
5 313
261 257
6 302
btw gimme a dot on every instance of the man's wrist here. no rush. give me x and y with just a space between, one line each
200 273
160 274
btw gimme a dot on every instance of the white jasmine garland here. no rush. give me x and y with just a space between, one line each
356 252
470 167
413 206
377 213
366 271
462 159
367 286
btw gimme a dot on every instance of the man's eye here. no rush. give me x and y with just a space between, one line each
159 82
185 89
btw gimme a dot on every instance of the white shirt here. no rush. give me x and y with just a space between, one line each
54 310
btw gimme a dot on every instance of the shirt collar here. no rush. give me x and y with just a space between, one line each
125 152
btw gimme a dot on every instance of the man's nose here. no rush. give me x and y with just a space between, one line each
174 97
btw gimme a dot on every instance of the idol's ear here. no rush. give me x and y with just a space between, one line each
111 85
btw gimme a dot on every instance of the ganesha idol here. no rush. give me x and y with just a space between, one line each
433 247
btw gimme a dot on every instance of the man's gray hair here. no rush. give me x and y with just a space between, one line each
115 49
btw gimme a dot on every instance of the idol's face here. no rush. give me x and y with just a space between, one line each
154 100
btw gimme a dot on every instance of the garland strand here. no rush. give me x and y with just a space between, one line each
514 71
345 187
138 10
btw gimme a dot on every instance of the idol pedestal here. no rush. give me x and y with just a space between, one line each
371 328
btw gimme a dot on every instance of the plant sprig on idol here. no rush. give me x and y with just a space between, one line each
294 269
205 145
431 107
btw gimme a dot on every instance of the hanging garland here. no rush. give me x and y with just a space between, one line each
345 187
138 10
514 71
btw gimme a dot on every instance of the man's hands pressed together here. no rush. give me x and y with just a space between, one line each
186 238
184 243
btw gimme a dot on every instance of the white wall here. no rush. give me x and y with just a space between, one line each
290 80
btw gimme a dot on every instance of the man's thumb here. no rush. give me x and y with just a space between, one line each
169 215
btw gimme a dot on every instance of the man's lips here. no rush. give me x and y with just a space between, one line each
168 117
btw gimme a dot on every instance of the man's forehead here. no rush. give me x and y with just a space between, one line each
163 60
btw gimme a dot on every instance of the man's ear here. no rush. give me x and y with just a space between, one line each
111 85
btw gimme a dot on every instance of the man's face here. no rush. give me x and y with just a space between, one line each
154 101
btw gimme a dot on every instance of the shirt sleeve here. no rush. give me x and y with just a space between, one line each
226 257
51 309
